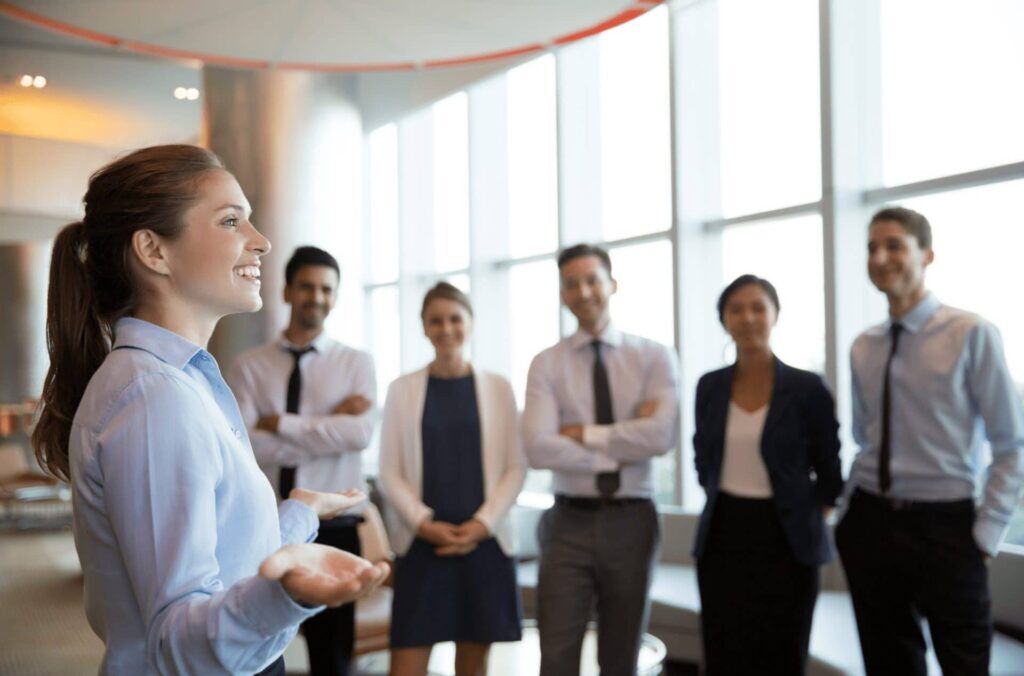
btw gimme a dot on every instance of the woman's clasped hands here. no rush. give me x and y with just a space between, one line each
453 540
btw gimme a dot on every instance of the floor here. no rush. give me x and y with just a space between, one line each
43 630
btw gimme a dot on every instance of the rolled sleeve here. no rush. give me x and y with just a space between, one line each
996 399
299 523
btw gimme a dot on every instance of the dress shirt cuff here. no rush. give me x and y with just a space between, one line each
604 463
595 437
988 533
483 518
299 523
270 609
289 424
421 514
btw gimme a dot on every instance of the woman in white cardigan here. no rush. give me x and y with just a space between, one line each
451 466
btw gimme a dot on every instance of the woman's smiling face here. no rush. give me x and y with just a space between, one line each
215 264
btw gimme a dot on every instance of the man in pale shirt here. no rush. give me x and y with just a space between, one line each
930 387
306 401
600 405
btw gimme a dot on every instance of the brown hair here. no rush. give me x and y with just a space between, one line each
448 292
913 222
581 250
91 284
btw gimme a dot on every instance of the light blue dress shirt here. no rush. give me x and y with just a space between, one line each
951 390
172 516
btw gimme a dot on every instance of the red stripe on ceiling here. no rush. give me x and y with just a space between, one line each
617 20
170 52
41 21
346 67
504 54
26 16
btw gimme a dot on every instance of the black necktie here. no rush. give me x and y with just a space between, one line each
607 482
885 445
287 481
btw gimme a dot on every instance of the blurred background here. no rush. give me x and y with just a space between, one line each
469 141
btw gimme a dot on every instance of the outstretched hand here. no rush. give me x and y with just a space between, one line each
328 505
320 575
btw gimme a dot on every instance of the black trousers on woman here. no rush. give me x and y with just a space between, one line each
757 600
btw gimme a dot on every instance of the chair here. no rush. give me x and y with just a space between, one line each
30 500
373 613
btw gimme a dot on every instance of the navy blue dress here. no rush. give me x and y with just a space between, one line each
470 598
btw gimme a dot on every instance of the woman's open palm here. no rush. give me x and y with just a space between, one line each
320 575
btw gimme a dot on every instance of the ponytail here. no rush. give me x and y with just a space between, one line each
91 281
77 340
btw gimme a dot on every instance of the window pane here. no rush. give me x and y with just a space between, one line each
385 346
644 305
644 302
768 249
451 182
383 207
978 235
952 99
769 105
636 185
533 316
384 338
532 158
533 319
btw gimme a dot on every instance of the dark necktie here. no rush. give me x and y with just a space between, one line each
287 481
885 445
607 482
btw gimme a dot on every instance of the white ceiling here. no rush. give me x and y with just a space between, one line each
93 96
333 34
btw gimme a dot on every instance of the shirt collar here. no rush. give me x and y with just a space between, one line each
610 336
318 343
915 320
165 345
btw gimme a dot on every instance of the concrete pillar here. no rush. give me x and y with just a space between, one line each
24 273
294 140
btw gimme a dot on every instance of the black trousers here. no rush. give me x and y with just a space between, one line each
330 635
908 562
757 599
275 668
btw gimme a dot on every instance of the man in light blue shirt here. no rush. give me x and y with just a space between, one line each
930 387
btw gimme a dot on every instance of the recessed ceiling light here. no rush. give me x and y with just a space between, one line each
192 94
26 80
39 82
180 93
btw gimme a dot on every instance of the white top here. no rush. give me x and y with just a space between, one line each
401 456
743 470
322 446
560 392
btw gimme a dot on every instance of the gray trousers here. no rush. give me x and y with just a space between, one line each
601 557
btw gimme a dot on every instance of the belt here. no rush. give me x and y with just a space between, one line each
344 520
597 502
901 505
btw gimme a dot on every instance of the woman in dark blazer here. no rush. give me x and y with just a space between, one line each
767 455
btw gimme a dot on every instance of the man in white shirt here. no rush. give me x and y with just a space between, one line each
307 401
600 405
